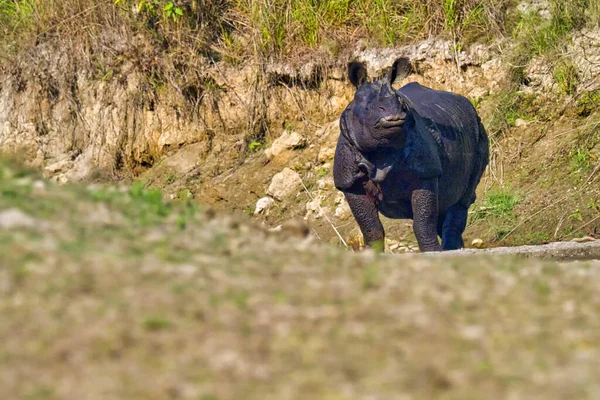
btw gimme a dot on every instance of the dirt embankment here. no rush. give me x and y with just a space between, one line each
207 140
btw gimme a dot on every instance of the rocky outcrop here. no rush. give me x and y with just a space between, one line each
584 52
288 140
284 184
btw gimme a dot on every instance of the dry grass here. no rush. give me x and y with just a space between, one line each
239 28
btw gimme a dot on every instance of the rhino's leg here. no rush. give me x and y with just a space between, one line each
440 225
364 209
454 226
425 215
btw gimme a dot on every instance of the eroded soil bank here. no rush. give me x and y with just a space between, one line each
207 140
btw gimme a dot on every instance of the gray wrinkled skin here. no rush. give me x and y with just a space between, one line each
412 153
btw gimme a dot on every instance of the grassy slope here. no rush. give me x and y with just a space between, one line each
114 294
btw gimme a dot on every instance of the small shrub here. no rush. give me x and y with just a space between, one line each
588 103
580 160
565 76
253 146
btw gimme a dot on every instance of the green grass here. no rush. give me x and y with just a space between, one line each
580 161
537 36
273 25
588 103
509 107
565 76
498 211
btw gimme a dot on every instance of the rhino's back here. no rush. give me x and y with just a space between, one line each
452 113
457 124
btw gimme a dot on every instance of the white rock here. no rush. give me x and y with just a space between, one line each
15 218
339 198
519 122
478 243
263 205
343 211
478 93
325 183
60 166
584 52
284 184
288 140
39 187
540 7
326 154
313 208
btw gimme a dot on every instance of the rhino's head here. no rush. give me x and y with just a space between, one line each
377 117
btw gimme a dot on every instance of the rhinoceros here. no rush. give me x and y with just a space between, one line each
412 153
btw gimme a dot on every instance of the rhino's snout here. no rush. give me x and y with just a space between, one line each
392 121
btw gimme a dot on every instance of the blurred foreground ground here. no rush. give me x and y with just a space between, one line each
110 293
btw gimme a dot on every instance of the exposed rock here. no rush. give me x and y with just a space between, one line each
478 93
284 184
477 243
540 7
330 130
584 52
325 183
519 122
378 60
496 74
82 166
263 205
59 167
314 209
287 141
326 154
343 211
15 218
539 74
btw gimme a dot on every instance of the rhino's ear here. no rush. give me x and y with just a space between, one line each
357 73
400 70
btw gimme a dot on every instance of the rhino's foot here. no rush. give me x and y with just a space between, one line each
378 246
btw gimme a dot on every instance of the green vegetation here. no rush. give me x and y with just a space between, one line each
565 76
499 203
274 26
498 211
588 103
509 107
580 160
